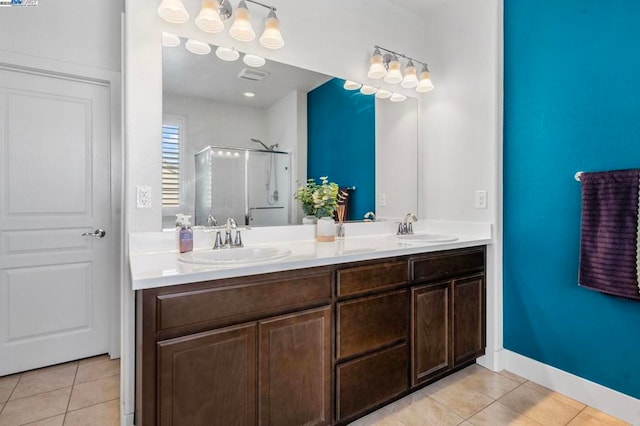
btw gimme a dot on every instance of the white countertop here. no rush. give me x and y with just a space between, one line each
154 259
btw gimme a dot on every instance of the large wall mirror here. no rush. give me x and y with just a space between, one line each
238 140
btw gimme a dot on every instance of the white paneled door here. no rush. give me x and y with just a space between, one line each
54 187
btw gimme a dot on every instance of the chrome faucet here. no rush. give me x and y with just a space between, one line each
406 227
229 242
369 217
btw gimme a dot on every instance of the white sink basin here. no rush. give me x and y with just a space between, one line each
234 255
420 237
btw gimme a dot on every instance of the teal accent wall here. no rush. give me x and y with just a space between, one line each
341 141
572 102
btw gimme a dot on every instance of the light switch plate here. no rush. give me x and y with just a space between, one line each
481 199
382 199
143 196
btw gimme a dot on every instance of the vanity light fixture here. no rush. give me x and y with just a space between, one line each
368 90
383 94
271 38
394 75
241 29
388 66
170 40
351 85
173 11
197 47
208 19
377 68
227 54
425 84
410 79
253 60
396 97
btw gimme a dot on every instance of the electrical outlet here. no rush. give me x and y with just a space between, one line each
382 199
481 199
143 197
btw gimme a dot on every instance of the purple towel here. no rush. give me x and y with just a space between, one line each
609 234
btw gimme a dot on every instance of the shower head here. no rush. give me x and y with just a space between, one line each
260 142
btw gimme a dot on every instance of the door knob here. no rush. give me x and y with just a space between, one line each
98 233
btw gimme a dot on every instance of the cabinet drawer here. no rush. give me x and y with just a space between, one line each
371 322
363 279
370 381
223 305
444 265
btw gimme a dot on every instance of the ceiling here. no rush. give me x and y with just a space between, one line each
206 76
419 7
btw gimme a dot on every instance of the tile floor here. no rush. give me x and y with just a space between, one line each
477 396
86 393
83 393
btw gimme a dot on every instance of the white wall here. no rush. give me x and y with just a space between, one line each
460 118
287 126
84 32
461 133
396 158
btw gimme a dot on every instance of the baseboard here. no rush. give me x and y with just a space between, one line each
126 420
492 360
612 402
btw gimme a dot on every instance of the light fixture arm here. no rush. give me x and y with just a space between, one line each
262 4
225 9
393 52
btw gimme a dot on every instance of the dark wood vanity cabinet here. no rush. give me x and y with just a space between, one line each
315 346
447 312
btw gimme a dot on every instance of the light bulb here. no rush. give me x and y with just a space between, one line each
227 54
253 60
197 47
241 28
170 40
425 84
396 97
368 90
394 75
410 79
383 94
351 85
377 69
173 11
271 38
208 19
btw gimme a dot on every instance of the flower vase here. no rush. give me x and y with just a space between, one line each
309 220
326 230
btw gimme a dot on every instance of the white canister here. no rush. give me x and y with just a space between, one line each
326 230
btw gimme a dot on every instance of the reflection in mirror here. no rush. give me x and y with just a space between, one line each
254 112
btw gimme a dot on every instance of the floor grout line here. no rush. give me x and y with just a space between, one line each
92 405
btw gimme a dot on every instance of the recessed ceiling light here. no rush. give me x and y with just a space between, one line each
249 94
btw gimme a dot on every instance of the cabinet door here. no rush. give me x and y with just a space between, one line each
295 369
431 331
208 378
469 318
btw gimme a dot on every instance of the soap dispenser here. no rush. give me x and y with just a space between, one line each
186 235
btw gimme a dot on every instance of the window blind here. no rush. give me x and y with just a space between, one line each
170 165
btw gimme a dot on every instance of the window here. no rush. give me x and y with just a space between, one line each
171 149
